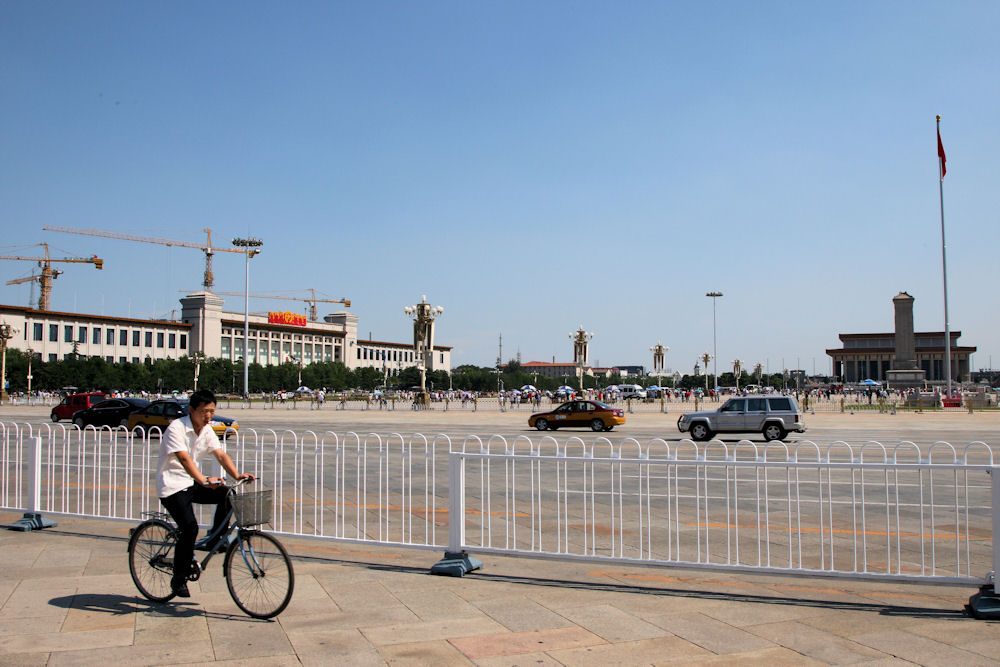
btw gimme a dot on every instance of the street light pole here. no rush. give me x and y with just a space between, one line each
31 355
705 358
6 333
659 351
250 246
715 348
581 343
423 315
197 357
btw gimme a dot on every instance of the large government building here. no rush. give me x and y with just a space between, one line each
205 328
875 356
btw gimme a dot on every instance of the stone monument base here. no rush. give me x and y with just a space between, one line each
906 379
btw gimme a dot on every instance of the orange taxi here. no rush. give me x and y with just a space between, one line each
593 414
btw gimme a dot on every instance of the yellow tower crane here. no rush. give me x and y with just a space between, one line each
206 247
311 300
48 273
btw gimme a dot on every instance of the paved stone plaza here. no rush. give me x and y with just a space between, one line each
67 597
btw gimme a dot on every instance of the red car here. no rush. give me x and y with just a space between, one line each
596 415
74 403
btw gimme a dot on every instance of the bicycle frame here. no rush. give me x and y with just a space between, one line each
211 540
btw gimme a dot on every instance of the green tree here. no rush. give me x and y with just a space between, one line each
367 378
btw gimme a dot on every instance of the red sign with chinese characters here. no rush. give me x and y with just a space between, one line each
286 317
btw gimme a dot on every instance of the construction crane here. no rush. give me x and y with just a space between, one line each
206 247
48 273
311 300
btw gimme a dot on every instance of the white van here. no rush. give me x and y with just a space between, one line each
632 391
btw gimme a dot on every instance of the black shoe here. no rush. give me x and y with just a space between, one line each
181 590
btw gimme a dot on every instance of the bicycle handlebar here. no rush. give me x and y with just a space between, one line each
221 482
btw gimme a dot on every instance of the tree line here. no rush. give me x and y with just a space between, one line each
225 376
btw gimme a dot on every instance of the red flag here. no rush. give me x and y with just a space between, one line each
944 169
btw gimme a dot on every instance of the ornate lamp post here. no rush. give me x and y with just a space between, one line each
737 367
31 356
581 345
705 358
715 349
197 357
758 369
6 333
423 315
250 245
659 352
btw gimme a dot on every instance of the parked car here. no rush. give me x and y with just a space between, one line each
772 416
598 416
111 412
632 391
160 413
73 403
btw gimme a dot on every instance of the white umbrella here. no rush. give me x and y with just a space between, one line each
566 388
529 387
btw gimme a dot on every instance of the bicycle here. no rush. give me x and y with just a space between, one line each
257 568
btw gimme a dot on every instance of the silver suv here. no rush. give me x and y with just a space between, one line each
772 416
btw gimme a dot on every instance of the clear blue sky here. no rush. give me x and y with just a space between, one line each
531 166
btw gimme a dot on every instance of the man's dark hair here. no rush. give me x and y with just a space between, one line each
200 398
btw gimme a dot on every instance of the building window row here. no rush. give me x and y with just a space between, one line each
162 339
277 352
386 355
254 333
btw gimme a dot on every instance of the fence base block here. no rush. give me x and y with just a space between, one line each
455 564
984 605
32 521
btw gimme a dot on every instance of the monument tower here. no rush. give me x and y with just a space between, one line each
904 373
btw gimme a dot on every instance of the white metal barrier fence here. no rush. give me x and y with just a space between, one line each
838 511
858 512
355 487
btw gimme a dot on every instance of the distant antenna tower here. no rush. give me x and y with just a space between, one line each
519 355
500 352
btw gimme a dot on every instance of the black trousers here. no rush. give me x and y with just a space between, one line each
179 507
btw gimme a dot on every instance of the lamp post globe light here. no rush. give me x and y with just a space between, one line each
581 345
715 348
423 315
251 247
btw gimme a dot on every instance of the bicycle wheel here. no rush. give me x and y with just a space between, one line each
151 559
259 574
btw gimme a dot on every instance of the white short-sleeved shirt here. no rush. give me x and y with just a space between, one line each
171 476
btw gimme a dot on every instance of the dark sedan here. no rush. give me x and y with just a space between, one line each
112 412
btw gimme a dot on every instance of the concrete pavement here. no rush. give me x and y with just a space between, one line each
67 599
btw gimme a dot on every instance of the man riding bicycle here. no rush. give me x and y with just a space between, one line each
180 483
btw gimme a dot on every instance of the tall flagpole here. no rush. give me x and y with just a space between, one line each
942 169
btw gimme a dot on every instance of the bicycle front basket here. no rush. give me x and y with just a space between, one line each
252 508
